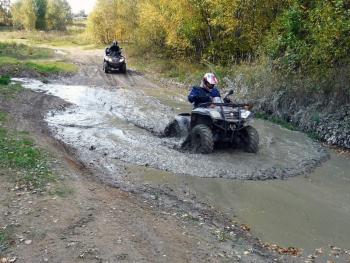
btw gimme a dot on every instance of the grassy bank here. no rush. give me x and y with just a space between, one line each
74 36
7 89
15 59
285 124
26 163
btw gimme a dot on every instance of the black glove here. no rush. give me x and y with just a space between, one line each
227 100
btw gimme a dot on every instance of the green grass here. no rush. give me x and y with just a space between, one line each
3 116
74 36
21 51
4 61
282 123
9 91
5 238
51 67
290 126
157 63
18 152
16 58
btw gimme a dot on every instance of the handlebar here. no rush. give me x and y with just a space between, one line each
233 105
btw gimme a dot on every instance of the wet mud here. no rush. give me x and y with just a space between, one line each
308 212
114 123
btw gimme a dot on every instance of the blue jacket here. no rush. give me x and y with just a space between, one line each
200 95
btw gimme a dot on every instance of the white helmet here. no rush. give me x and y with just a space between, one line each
211 78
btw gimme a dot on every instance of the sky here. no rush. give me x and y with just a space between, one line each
78 5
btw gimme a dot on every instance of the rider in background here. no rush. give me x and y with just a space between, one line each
114 47
206 91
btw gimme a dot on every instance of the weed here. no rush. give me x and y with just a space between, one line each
3 116
290 126
5 237
62 191
222 236
281 122
18 152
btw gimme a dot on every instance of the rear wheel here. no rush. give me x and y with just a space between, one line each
202 139
105 67
250 139
172 129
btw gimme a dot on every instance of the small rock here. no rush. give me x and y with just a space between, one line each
4 260
319 251
28 242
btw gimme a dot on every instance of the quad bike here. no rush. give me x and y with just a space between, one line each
217 122
113 61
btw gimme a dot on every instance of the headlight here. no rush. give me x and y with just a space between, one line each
215 114
122 60
110 59
245 114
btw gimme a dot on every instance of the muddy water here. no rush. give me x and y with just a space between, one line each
306 212
108 124
123 124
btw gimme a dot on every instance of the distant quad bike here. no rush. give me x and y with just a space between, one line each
219 122
114 61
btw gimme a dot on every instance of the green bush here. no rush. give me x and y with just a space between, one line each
5 80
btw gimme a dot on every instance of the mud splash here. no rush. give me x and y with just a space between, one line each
119 123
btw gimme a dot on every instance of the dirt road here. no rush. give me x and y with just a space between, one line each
94 221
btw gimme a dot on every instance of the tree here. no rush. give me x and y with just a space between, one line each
58 15
5 12
40 9
17 15
102 21
28 12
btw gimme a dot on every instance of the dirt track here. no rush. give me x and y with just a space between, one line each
100 223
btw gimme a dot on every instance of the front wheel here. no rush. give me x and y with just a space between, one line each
250 139
202 139
105 67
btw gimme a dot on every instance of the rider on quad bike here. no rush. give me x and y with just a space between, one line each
206 92
113 59
214 121
114 47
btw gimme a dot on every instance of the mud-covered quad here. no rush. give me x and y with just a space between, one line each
217 122
114 60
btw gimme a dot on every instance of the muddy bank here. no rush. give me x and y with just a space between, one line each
325 117
108 124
